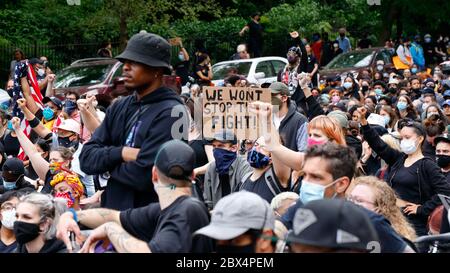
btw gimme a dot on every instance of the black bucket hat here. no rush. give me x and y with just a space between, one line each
149 49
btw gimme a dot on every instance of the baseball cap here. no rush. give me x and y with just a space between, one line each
70 125
428 80
279 88
225 136
296 50
446 102
175 159
428 90
55 100
237 213
36 61
340 116
13 167
332 223
447 93
443 137
149 49
393 81
375 119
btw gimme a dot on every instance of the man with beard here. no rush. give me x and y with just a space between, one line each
127 141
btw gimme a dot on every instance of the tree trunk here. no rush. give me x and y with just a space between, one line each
390 15
123 32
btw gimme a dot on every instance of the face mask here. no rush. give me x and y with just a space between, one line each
55 167
48 113
387 119
8 218
443 160
401 105
70 107
392 90
9 185
311 191
378 92
26 232
380 67
408 146
342 34
414 70
312 142
335 99
67 196
181 57
431 114
66 142
224 159
424 106
41 72
292 59
276 101
257 160
235 249
348 85
10 127
427 40
365 88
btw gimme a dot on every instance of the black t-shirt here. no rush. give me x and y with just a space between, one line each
255 32
200 155
204 69
261 188
428 50
428 149
311 62
364 43
47 188
7 248
182 70
406 182
170 230
12 145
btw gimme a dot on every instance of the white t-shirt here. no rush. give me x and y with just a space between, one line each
277 120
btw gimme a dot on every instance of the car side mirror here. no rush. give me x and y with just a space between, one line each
260 75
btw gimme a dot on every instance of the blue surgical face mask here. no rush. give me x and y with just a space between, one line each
347 85
401 105
181 57
10 127
311 191
257 160
414 70
48 113
9 185
387 119
224 159
378 91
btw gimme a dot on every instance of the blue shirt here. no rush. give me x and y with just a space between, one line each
344 44
390 241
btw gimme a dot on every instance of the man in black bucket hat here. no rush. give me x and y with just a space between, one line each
126 143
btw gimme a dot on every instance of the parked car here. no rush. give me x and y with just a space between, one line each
257 70
101 76
357 60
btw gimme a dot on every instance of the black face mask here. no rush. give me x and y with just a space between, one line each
26 232
443 161
235 249
392 90
66 142
365 88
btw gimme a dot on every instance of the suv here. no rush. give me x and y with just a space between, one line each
357 60
257 70
101 76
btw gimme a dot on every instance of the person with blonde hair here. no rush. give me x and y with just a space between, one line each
35 227
377 196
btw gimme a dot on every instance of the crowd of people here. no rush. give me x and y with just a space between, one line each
354 165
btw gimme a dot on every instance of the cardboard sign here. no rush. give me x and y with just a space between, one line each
226 108
175 41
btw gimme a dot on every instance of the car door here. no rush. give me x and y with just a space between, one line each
268 70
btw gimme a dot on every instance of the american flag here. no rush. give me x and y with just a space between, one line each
24 69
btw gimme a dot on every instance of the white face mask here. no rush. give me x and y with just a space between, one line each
408 146
8 218
41 72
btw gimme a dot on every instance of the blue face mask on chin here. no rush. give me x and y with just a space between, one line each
48 113
224 159
257 160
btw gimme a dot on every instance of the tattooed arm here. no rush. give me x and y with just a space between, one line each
123 242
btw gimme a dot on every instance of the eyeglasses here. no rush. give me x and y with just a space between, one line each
8 206
358 201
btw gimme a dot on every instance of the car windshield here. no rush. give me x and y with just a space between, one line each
351 59
82 75
220 71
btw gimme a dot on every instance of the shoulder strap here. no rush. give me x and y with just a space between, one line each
243 180
132 120
269 178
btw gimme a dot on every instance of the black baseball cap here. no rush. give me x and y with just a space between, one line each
443 137
224 136
13 167
332 223
175 159
36 61
149 49
55 100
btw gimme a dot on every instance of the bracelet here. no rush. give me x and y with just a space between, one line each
74 214
34 122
